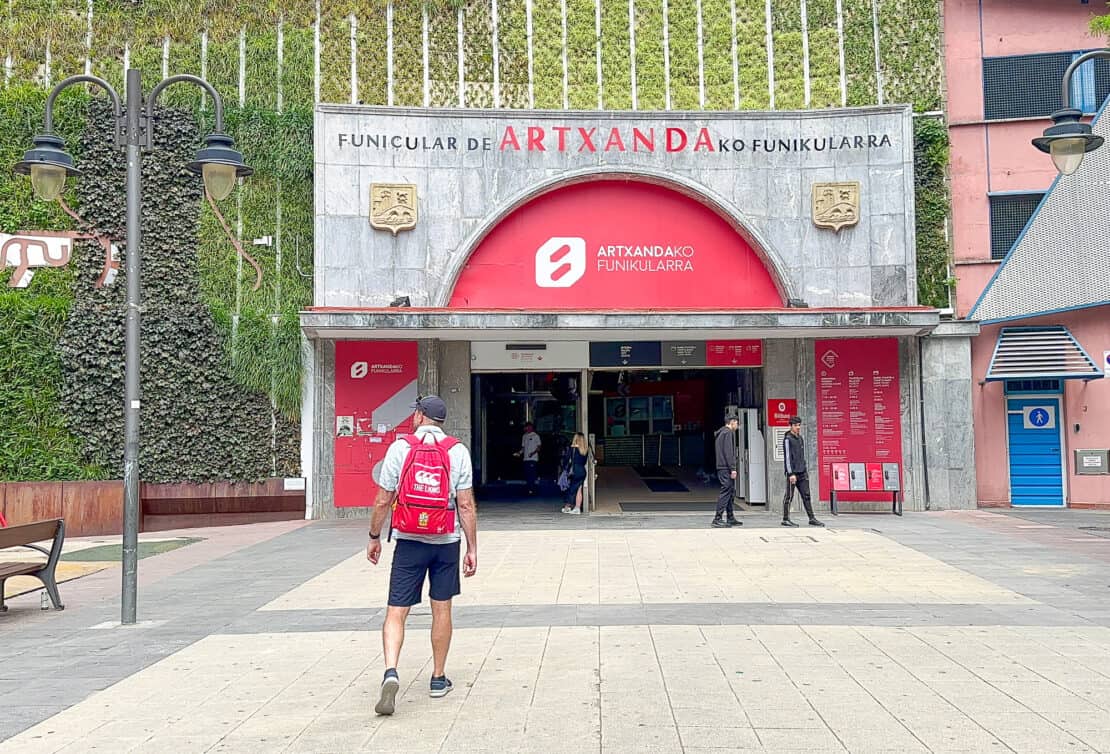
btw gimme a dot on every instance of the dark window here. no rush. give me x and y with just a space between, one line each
1009 214
1032 386
1028 86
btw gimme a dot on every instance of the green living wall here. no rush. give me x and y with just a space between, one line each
60 337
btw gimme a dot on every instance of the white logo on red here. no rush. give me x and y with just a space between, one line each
429 480
560 262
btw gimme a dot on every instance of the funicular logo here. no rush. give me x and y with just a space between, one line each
560 262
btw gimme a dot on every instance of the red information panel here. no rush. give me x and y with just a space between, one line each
859 417
779 411
375 383
840 479
734 353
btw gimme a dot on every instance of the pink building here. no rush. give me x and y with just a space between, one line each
1031 249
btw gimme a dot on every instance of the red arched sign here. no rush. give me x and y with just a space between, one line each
613 244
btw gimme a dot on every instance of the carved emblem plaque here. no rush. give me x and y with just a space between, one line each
836 205
393 206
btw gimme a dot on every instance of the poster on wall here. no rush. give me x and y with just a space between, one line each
375 383
859 416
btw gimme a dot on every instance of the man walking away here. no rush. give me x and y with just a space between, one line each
425 479
725 443
529 452
794 461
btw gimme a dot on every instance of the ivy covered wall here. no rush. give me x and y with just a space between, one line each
272 62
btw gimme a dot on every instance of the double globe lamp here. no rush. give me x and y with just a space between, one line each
218 163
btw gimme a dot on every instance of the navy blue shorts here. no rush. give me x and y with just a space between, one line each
412 560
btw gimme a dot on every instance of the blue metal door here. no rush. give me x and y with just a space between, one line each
1036 471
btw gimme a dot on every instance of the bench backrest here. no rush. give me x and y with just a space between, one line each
24 534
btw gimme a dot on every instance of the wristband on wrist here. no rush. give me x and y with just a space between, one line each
375 536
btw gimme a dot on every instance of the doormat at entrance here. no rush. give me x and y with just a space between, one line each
653 472
667 507
666 485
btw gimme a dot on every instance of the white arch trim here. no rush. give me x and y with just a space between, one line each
702 194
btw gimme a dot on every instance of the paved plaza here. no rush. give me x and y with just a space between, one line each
969 631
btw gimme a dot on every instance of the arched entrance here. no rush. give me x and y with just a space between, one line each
615 243
605 243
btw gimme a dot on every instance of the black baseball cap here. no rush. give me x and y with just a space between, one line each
795 420
432 406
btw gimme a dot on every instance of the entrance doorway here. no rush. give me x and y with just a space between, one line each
654 432
503 404
1035 435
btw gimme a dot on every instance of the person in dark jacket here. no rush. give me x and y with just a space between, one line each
794 463
725 443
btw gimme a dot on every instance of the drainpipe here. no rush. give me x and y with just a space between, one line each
921 402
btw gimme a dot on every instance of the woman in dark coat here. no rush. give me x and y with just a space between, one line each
578 455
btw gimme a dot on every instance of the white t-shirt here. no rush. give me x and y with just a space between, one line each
530 445
462 477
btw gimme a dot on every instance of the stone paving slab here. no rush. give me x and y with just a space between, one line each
946 632
706 566
655 688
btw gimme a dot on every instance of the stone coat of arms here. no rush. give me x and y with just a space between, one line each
836 205
393 206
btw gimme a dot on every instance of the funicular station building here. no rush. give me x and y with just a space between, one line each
631 276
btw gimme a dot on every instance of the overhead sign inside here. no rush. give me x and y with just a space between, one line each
525 357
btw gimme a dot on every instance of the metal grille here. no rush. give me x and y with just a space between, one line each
1061 261
1032 386
1009 214
1038 353
1028 86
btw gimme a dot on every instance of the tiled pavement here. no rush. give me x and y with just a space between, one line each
975 631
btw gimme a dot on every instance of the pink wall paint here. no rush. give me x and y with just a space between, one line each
963 60
971 279
1029 26
1008 28
1085 403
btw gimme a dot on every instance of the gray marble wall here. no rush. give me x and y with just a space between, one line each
947 415
462 193
454 387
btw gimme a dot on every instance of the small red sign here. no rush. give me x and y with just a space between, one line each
779 411
840 478
734 353
875 476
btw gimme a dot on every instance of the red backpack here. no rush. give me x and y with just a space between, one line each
424 492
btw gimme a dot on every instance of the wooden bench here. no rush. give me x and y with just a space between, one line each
25 535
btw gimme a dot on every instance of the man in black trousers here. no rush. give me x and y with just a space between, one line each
725 443
794 461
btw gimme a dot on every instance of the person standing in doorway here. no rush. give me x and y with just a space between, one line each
578 455
415 469
725 443
794 462
529 453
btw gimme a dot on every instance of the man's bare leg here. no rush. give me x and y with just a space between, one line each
441 635
393 634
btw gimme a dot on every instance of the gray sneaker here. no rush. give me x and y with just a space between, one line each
387 701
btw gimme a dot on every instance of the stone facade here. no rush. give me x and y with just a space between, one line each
469 175
762 184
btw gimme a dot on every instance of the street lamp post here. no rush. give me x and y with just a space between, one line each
48 165
1068 139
